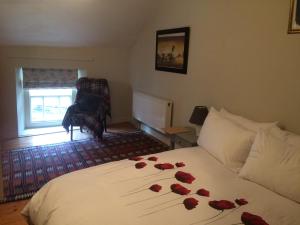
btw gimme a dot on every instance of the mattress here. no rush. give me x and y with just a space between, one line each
119 193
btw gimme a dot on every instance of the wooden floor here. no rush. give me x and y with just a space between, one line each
10 212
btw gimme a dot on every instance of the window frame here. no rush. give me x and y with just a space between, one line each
40 124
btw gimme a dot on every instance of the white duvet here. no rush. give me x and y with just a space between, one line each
117 194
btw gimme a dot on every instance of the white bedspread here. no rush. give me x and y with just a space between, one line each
99 195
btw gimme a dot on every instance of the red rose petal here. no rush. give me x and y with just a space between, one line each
251 219
164 166
140 165
221 205
203 192
155 188
184 177
136 158
153 158
190 203
179 189
179 164
241 201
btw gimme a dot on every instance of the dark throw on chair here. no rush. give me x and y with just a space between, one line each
91 107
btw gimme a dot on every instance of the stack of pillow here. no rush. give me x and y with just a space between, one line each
260 152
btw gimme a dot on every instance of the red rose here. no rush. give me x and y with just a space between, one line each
140 165
250 219
152 158
221 205
179 189
164 166
203 192
190 203
136 158
155 188
180 164
184 177
241 201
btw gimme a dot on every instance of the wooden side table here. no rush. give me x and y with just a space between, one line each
188 139
175 132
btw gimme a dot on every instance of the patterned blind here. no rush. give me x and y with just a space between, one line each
49 78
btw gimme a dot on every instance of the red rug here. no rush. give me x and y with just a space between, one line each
26 170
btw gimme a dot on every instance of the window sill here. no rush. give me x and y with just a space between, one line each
38 131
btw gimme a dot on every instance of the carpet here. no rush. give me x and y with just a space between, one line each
26 170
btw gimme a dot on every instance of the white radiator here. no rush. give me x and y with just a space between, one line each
152 111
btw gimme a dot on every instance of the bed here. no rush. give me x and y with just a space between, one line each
187 186
117 193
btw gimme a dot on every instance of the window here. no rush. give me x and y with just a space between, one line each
47 107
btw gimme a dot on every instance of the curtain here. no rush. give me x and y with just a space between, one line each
49 78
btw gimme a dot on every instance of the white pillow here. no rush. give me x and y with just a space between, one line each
274 164
225 140
289 137
246 123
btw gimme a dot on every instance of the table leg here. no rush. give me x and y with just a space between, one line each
172 141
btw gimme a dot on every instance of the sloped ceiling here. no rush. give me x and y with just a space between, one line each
75 23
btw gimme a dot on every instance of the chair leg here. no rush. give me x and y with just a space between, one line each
71 132
81 129
104 125
100 135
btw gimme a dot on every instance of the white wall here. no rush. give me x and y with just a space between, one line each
109 63
241 57
20 101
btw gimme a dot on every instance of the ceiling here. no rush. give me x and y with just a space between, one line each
73 23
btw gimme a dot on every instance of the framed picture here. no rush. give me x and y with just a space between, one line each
172 50
294 21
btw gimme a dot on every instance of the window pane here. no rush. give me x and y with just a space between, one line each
49 105
64 103
36 109
51 109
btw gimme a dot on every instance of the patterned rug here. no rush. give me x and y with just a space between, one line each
26 170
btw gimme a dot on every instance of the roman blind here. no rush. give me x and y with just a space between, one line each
49 78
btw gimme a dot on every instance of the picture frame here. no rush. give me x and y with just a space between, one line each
172 50
294 19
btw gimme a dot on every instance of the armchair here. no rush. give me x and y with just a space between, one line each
91 107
